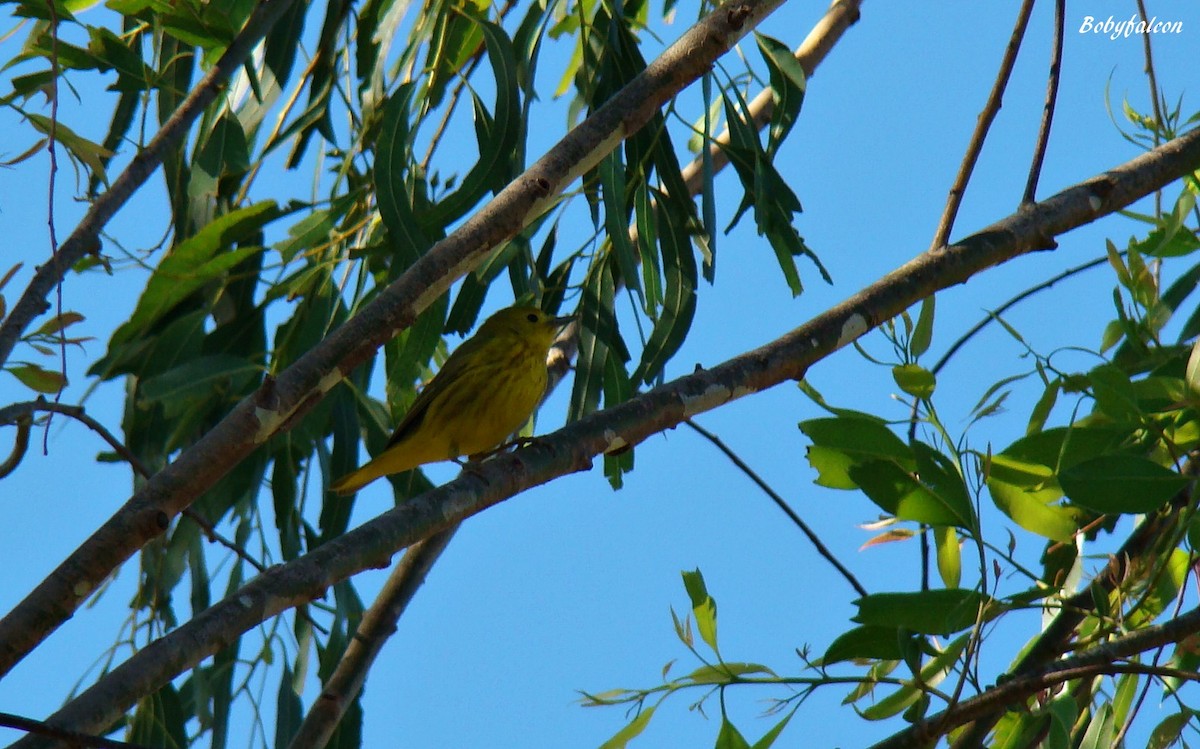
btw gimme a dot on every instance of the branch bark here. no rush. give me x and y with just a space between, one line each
572 448
344 684
279 402
1097 661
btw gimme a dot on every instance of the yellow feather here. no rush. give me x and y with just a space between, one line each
484 393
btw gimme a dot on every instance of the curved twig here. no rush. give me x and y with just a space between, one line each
74 738
813 538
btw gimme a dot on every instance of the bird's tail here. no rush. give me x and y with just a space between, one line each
357 479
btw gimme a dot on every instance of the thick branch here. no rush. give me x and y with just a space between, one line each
377 625
572 448
85 238
280 402
342 687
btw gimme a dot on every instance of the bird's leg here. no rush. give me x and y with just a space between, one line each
472 466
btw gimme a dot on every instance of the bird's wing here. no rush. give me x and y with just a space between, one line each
456 364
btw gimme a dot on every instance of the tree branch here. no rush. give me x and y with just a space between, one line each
335 698
280 401
1097 661
377 625
573 447
954 199
85 238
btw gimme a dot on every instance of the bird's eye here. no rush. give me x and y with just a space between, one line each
532 317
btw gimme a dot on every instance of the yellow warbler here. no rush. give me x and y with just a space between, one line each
484 392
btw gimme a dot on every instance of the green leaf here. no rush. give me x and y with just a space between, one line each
914 380
498 140
729 737
93 155
622 738
845 441
1167 732
224 152
1063 447
726 673
878 642
597 334
679 300
929 612
902 494
289 710
1192 373
922 335
704 608
939 474
1033 511
195 262
392 162
768 739
134 74
949 556
198 378
160 720
1121 484
616 217
1100 729
788 84
36 378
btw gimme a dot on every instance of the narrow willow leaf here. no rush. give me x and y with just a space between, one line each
494 165
616 218
631 731
788 84
195 262
949 555
704 608
679 302
922 335
37 378
391 164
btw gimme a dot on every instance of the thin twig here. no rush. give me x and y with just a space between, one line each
73 738
16 412
991 317
1039 151
813 538
954 199
1148 53
52 150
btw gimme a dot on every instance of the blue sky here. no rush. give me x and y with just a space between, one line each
568 587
